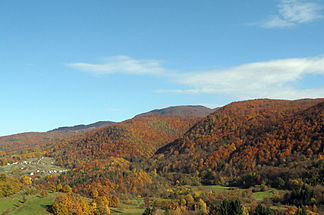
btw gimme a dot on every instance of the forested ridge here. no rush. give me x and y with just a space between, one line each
137 137
250 145
112 157
247 134
34 144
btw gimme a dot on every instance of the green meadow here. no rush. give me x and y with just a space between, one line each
32 204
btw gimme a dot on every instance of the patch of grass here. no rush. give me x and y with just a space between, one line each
133 206
9 203
34 204
208 188
127 209
259 196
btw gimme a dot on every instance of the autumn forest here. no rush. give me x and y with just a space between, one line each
258 156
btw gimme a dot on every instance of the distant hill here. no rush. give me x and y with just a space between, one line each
84 127
138 137
32 141
129 142
17 142
183 111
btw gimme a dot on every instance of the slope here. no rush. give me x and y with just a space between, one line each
184 111
110 159
34 144
138 137
244 137
84 127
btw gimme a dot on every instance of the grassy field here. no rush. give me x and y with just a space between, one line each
259 196
35 204
9 203
127 209
133 206
14 205
136 207
208 188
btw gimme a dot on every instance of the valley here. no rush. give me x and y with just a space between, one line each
22 203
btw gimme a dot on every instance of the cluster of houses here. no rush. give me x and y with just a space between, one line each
27 163
48 171
8 164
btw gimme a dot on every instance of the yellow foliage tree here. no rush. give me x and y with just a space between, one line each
102 206
114 202
202 206
26 180
59 187
71 204
52 188
94 193
67 189
61 205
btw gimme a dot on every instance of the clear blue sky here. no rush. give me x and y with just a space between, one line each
80 61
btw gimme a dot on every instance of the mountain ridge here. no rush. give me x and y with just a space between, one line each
181 110
83 126
248 136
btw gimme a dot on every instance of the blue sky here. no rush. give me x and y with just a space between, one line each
81 61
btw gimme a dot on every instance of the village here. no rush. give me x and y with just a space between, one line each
38 167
